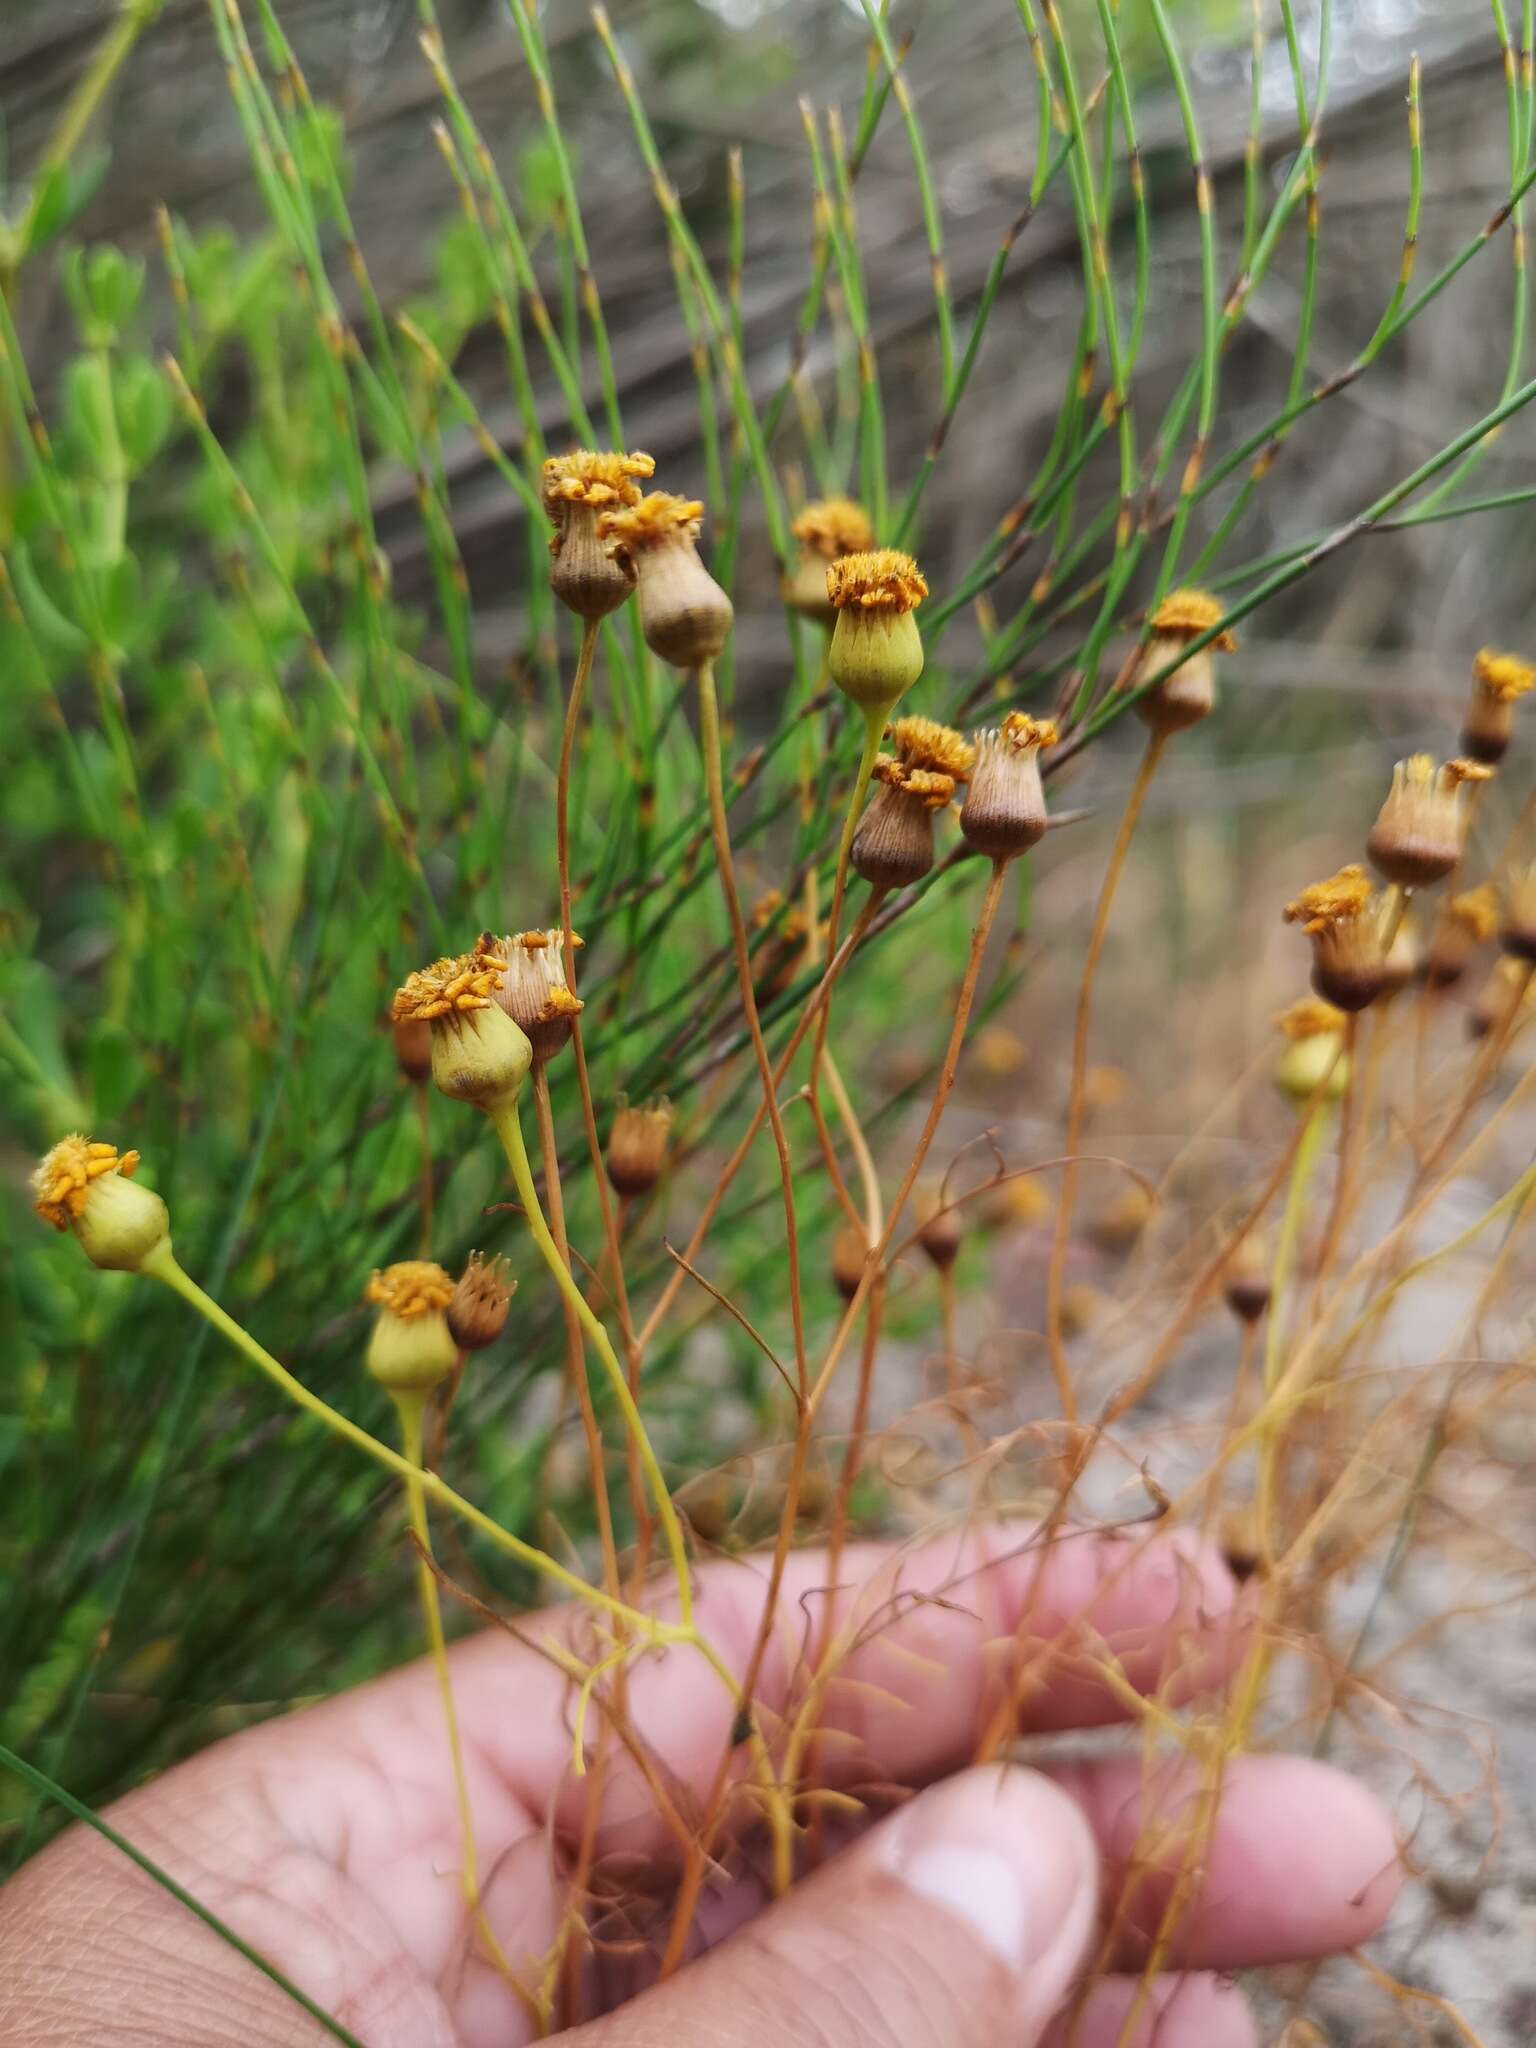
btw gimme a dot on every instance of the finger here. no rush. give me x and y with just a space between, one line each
963 1919
1301 1860
917 1641
1175 2012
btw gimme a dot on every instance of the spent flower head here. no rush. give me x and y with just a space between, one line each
533 989
477 1308
1182 698
479 1055
1498 683
577 489
1004 811
1421 829
684 614
637 1146
1343 922
893 846
87 1186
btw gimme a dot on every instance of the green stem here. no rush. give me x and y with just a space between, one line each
162 1265
409 1407
510 1131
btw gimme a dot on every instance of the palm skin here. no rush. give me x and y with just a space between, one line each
329 1840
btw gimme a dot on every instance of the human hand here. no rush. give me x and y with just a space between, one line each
329 1840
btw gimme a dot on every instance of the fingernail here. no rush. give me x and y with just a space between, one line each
1008 1853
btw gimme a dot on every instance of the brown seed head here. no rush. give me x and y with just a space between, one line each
876 580
1004 812
637 1146
1466 921
1186 614
893 846
578 489
1508 989
1245 1283
1339 917
684 614
477 1308
533 989
940 1230
410 1289
1421 829
850 1249
65 1177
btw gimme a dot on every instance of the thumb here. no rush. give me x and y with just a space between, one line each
964 1919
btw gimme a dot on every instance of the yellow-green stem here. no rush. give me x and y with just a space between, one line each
409 1408
162 1265
510 1131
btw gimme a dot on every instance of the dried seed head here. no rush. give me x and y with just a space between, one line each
893 846
1245 1285
1344 925
479 1055
533 989
1122 1220
413 1047
1421 829
1182 698
1517 925
684 614
1466 922
87 1186
876 653
1004 811
1498 682
826 530
411 1349
777 959
850 1250
577 489
940 1229
477 1308
637 1146
1314 1055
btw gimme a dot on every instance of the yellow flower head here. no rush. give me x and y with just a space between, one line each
1186 614
1503 676
831 527
658 520
876 580
1342 899
1311 1017
448 988
65 1176
924 743
413 1288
